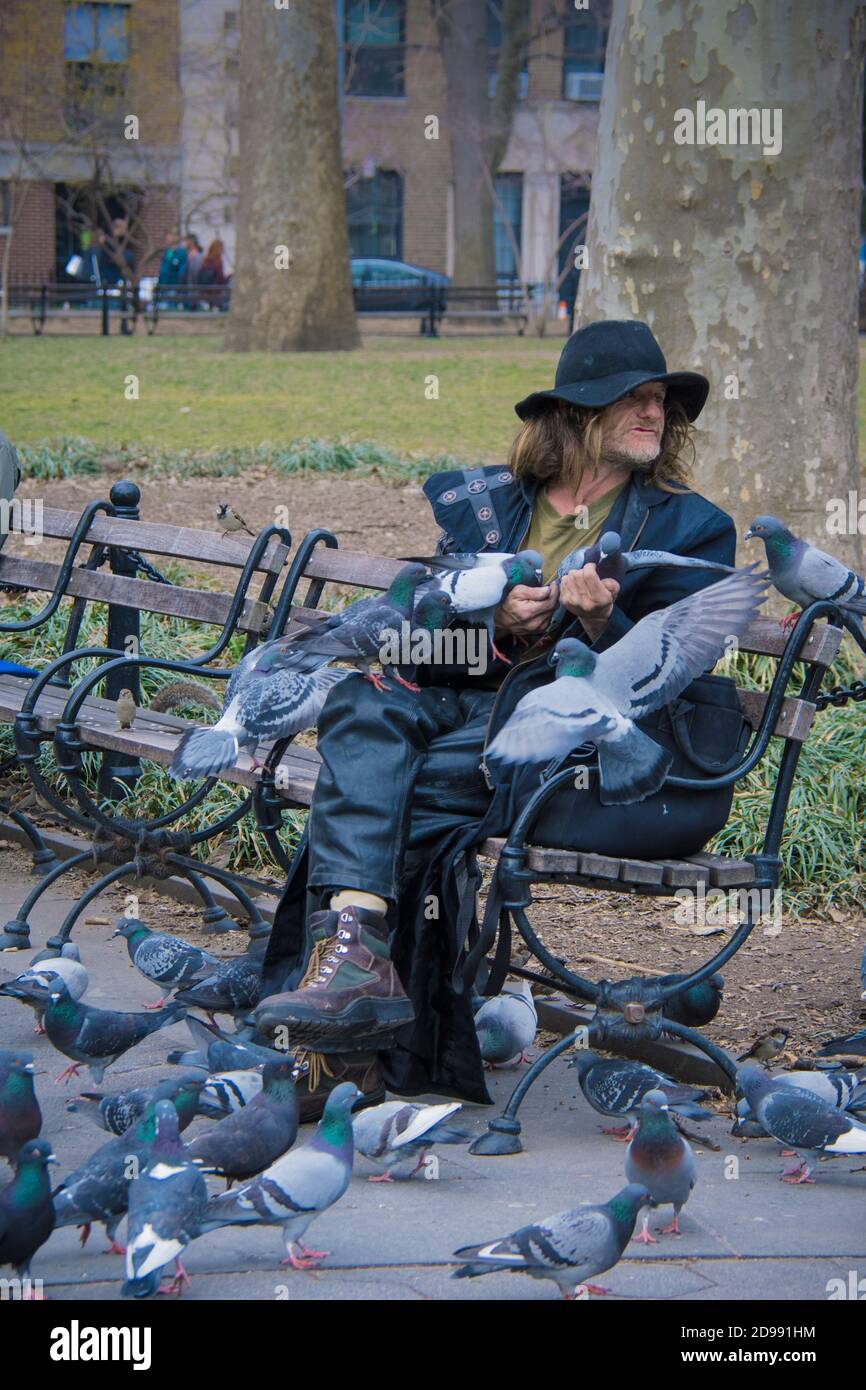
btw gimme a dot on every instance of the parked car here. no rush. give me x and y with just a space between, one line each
373 277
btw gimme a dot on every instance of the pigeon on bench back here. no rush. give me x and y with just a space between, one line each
597 697
803 573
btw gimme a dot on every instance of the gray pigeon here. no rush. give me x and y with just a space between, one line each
616 1086
167 1202
612 562
20 1115
804 574
26 1209
661 1160
299 1186
506 1025
219 1052
254 1137
853 1044
120 1112
399 1135
34 984
570 1248
228 1092
477 584
165 960
230 987
597 697
97 1037
801 1120
98 1189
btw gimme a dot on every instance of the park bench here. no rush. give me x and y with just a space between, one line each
106 550
74 302
485 304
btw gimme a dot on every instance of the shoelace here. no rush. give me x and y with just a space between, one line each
327 962
316 1068
314 964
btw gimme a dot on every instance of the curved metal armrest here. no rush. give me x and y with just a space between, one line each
318 536
257 550
76 540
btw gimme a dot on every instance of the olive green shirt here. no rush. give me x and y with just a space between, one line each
554 536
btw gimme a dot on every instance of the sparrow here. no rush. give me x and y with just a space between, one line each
125 710
229 520
763 1049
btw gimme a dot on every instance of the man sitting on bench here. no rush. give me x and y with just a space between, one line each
606 449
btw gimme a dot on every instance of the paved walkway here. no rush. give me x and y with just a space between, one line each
745 1236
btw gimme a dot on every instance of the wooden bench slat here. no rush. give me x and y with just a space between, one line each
724 872
641 871
795 716
352 567
679 873
766 637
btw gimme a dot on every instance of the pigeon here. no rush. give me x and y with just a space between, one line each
166 960
616 1086
570 1248
805 574
844 1090
166 1205
254 1137
20 1115
506 1026
477 584
299 1186
220 1053
398 1135
231 987
26 1209
98 1190
697 1005
433 612
265 700
612 562
661 1160
97 1037
229 520
801 1120
768 1046
66 966
853 1044
119 1112
125 709
863 975
228 1092
596 697
33 986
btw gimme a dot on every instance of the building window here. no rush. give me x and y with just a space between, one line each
507 219
375 214
96 50
494 44
375 37
583 57
573 215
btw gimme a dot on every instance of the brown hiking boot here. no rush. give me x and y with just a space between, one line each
355 991
318 1073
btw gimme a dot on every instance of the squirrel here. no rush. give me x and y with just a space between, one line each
174 694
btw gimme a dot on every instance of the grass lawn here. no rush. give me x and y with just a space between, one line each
192 395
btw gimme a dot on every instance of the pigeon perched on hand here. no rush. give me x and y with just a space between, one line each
506 1025
255 1136
20 1115
120 1112
399 1135
612 562
477 584
299 1186
801 1120
166 1205
97 1037
166 960
26 1209
569 1248
597 697
804 574
34 985
228 520
615 1086
767 1046
661 1160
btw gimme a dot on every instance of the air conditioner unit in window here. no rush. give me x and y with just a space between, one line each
584 86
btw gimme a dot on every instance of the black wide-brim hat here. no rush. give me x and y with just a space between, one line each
602 362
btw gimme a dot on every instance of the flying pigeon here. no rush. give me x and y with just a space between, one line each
477 584
506 1025
230 987
767 1046
166 1205
165 960
228 1092
852 1043
597 697
299 1186
804 574
98 1190
97 1037
616 1086
801 1120
398 1135
220 1053
26 1209
570 1248
119 1112
20 1115
34 984
661 1160
254 1137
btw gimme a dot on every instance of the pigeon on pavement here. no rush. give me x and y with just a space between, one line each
20 1115
853 1044
570 1248
218 1052
399 1135
26 1209
661 1160
98 1189
616 1086
225 1093
230 987
119 1112
506 1025
97 1037
299 1186
254 1137
34 984
766 1047
801 1120
804 574
166 1204
596 697
166 960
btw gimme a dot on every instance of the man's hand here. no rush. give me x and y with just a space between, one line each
525 612
589 598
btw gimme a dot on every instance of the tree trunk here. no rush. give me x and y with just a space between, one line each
463 33
291 204
743 263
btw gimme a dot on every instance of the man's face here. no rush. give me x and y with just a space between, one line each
633 427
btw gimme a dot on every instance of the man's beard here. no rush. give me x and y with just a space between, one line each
625 458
